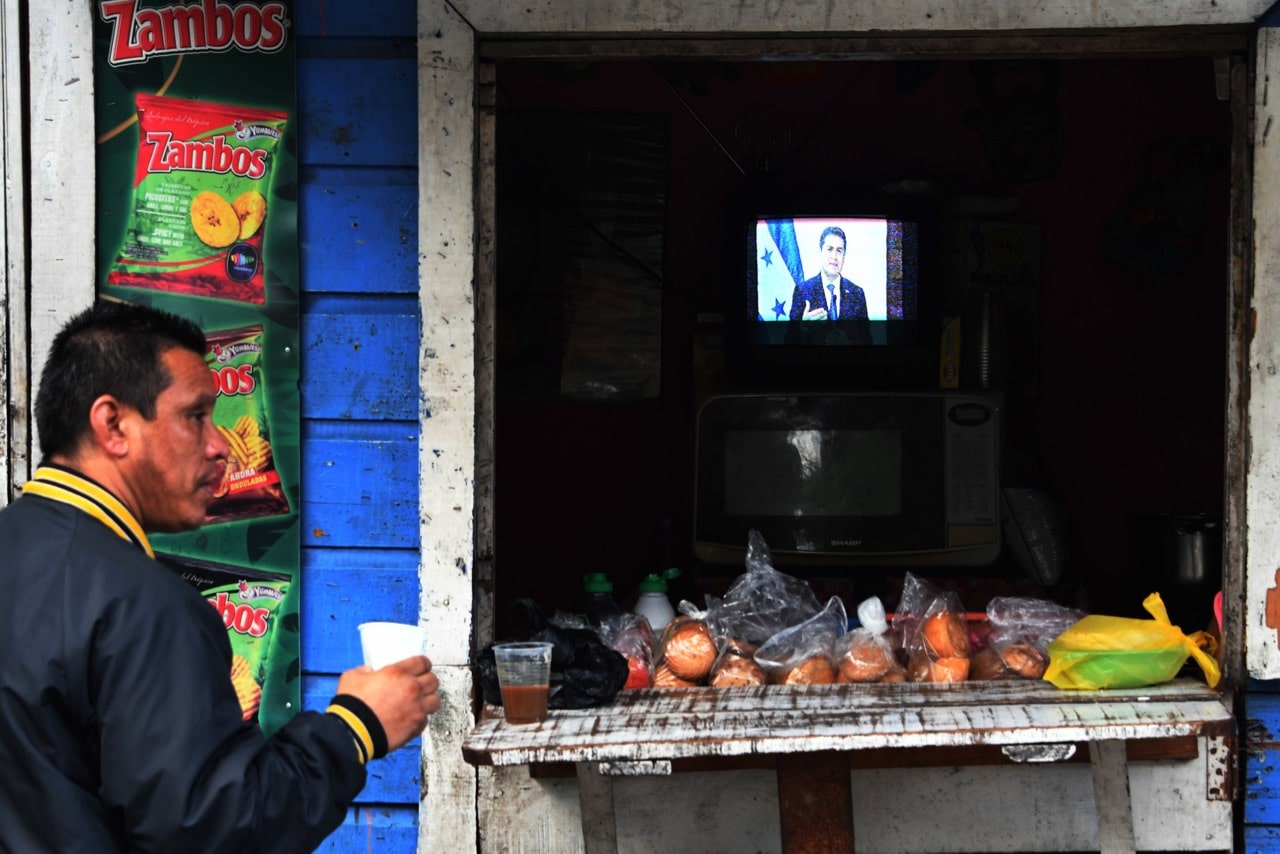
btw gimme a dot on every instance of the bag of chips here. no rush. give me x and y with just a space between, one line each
250 485
196 222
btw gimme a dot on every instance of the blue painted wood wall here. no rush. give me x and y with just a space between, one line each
1259 778
358 228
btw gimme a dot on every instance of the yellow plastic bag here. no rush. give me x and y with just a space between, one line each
1121 652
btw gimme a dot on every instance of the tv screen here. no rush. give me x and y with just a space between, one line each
834 280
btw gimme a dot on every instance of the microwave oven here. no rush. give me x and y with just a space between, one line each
857 479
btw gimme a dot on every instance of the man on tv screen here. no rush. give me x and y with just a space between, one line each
829 295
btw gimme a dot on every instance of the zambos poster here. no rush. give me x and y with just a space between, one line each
197 215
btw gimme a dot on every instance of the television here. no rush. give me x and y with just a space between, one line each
840 294
853 478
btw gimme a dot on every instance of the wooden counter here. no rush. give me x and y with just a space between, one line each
643 731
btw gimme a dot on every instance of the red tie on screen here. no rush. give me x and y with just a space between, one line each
835 310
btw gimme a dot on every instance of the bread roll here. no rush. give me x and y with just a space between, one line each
896 674
664 678
735 670
1024 660
867 659
946 635
986 666
815 670
688 648
951 669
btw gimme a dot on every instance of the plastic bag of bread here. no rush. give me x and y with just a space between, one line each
865 654
631 636
762 601
736 667
688 649
935 632
1020 629
802 654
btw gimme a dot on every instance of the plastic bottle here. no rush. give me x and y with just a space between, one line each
652 603
598 603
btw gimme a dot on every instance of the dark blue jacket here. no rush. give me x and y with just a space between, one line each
119 726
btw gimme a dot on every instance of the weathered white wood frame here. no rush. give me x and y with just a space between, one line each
46 285
602 29
13 296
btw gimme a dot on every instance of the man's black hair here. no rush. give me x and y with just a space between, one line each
110 348
830 230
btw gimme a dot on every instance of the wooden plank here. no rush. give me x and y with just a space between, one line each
486 351
595 801
654 724
353 106
448 803
374 828
15 399
1147 750
342 588
1236 423
446 246
361 479
1111 797
357 230
815 803
815 16
360 358
446 87
1262 491
1259 757
844 47
1262 839
63 174
378 18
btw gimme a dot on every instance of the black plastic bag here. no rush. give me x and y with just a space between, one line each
585 672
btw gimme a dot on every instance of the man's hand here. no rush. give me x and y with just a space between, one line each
819 313
403 695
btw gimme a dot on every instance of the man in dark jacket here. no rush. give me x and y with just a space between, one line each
119 725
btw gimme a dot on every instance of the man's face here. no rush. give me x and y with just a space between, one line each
832 255
175 460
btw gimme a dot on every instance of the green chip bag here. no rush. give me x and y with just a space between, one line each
250 487
248 601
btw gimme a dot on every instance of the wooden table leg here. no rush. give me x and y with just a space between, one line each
815 802
595 799
1111 796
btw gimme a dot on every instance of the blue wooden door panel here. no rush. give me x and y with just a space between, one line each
1261 840
342 588
379 828
357 233
358 230
357 111
1261 782
360 484
360 358
364 19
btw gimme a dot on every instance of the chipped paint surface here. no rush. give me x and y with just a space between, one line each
799 16
657 724
1262 491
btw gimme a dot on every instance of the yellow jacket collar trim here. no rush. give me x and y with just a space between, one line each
64 485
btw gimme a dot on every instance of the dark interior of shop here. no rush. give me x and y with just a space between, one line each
622 191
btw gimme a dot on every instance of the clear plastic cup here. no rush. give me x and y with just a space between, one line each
524 676
386 643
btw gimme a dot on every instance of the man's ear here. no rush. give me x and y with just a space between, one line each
106 417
